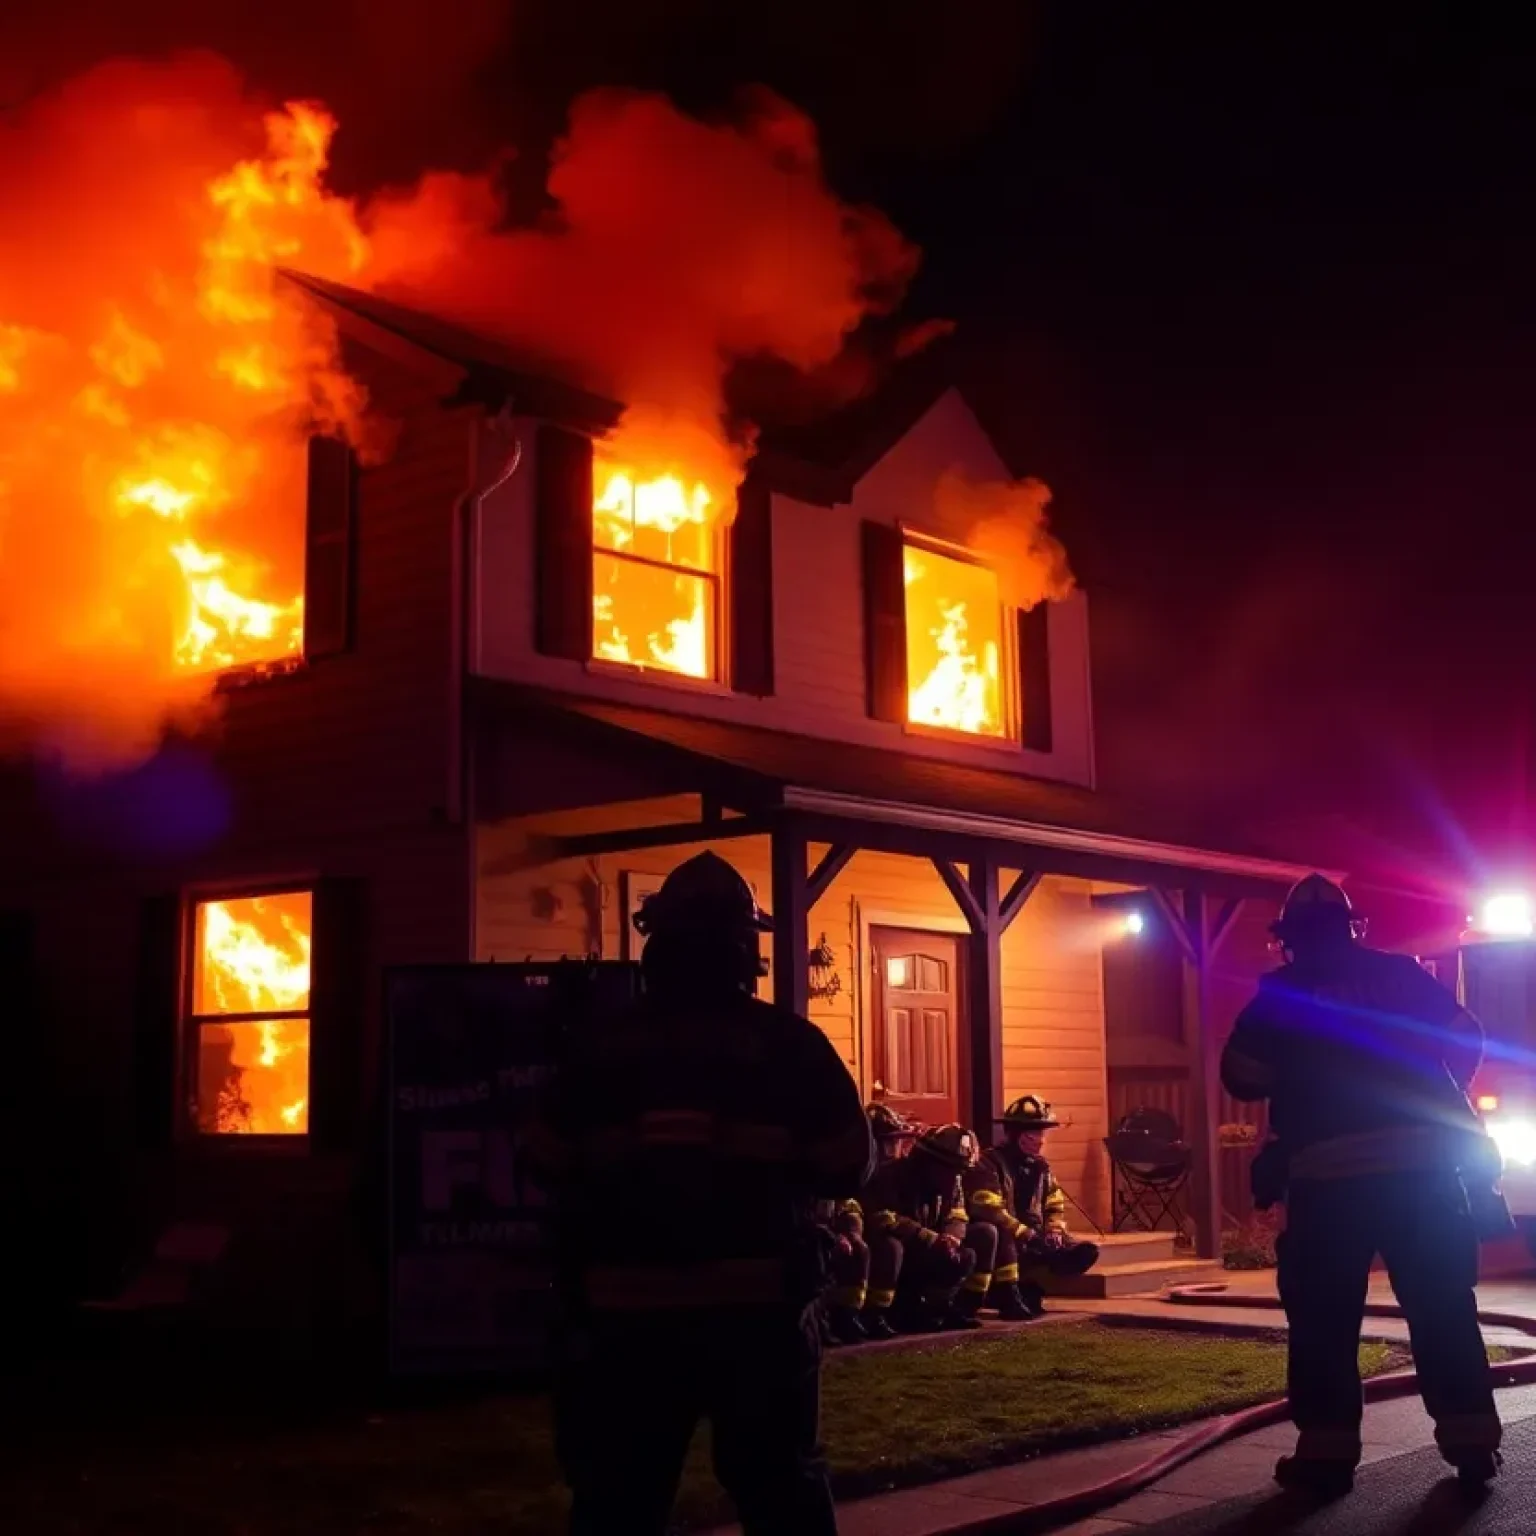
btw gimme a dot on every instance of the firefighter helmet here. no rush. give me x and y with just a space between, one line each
703 895
1029 1112
952 1145
888 1124
1316 907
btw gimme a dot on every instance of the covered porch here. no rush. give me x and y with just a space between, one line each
852 849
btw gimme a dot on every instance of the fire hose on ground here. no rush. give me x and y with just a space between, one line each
1086 1502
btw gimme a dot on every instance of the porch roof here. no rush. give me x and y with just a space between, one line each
905 803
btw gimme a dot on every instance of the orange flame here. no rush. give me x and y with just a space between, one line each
158 382
158 379
664 489
253 957
954 633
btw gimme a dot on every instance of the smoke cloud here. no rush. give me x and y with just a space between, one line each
1006 522
673 249
158 381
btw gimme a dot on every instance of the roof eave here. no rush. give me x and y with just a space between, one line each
1108 845
474 382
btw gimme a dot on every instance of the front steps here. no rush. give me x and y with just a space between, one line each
1137 1264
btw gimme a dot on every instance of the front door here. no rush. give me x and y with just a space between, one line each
915 1049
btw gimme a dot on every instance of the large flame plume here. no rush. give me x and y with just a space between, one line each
157 385
159 378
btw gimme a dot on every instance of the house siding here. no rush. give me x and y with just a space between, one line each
1053 1028
818 621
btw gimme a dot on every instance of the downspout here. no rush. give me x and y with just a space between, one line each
464 629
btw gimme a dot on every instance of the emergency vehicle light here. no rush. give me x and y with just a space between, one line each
1508 915
1515 1139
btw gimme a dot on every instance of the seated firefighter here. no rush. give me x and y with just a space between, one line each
892 1131
848 1265
1011 1188
930 1265
849 1258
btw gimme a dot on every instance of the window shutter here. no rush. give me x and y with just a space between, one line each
563 545
157 1041
885 623
328 552
750 595
1035 677
340 1002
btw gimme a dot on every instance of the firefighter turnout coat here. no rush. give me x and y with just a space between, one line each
1019 1194
897 1203
1365 1063
689 1149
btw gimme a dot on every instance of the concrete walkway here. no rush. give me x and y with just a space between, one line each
1241 1467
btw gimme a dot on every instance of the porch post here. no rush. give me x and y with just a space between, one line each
791 918
1200 936
984 994
1205 1078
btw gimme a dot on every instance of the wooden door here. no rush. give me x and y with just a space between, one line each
915 1045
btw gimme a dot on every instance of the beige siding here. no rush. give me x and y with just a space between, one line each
1053 1030
1053 1019
818 632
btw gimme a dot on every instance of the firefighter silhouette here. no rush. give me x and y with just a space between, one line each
690 1138
1365 1060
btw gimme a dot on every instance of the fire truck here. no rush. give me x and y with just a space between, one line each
1496 980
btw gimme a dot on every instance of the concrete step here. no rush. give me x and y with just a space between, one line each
1144 1279
1117 1249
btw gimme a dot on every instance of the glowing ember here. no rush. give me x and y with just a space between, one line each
654 566
954 631
252 958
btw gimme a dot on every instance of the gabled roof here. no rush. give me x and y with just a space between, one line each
843 445
819 460
477 370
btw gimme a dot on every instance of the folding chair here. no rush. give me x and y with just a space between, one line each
1151 1167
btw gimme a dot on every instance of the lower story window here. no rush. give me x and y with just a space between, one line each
249 1018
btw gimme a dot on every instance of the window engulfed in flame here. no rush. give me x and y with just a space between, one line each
653 573
954 642
250 1004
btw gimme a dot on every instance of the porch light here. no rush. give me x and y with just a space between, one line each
825 982
1507 915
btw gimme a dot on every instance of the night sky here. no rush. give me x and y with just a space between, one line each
1252 296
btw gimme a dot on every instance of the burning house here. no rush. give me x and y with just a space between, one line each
528 648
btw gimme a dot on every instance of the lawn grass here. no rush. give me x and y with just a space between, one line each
893 1417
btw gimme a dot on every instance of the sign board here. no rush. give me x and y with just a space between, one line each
471 1048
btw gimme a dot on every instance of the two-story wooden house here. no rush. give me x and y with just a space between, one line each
494 747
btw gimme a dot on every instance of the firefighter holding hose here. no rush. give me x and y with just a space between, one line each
689 1140
1365 1060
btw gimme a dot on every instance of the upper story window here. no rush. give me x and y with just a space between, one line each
655 573
658 575
249 615
250 1014
954 624
943 650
